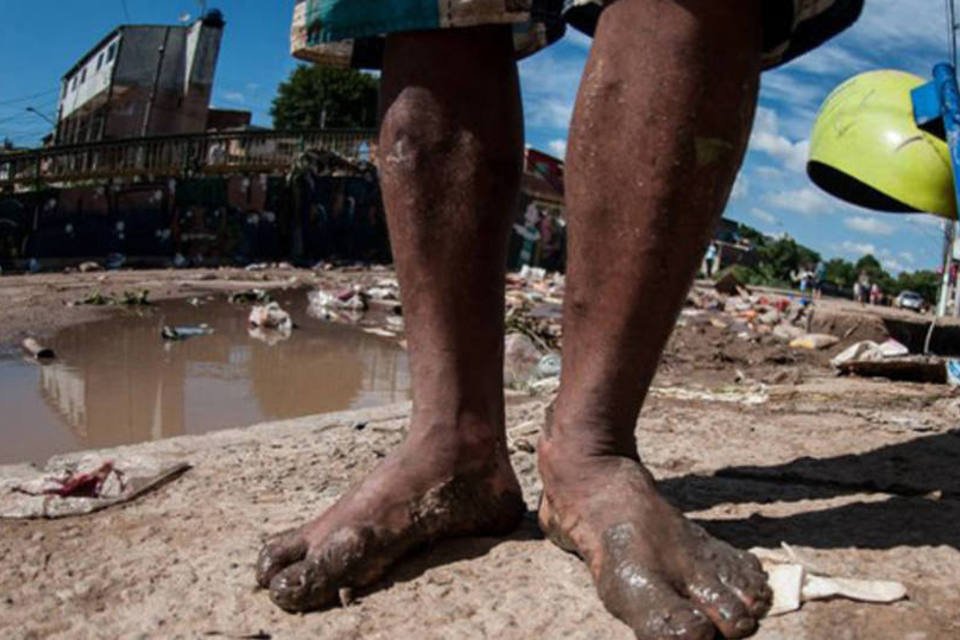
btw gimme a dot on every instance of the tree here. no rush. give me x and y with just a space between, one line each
782 258
871 266
926 283
841 273
316 97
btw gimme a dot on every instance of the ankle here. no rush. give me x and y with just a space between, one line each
464 444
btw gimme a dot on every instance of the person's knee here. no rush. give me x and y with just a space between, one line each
422 134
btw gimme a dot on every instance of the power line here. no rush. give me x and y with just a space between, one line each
30 97
126 11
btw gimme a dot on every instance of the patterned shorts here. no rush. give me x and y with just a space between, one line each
351 32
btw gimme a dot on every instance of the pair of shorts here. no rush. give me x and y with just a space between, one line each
351 32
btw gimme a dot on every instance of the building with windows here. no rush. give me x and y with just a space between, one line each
142 80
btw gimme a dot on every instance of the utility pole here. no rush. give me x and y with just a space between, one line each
148 112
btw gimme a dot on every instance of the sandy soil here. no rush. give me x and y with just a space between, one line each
760 444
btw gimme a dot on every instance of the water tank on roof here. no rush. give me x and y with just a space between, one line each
214 18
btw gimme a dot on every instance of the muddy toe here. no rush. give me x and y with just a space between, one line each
278 553
724 608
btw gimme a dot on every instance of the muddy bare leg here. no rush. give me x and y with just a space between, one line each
450 158
660 127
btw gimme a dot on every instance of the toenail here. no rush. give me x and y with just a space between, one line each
745 624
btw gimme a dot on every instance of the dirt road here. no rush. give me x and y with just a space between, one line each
759 443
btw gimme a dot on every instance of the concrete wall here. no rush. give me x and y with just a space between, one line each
97 73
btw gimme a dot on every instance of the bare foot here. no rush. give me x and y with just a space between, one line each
655 570
419 494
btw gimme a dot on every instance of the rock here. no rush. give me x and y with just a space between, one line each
89 267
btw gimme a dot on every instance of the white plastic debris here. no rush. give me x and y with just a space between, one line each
870 351
794 582
271 316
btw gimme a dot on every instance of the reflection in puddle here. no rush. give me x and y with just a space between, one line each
116 382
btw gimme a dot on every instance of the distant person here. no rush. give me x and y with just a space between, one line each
876 294
710 260
659 131
819 278
861 289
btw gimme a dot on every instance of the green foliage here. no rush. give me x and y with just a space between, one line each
841 273
778 258
315 96
926 283
782 257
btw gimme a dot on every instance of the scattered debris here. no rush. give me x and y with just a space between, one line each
324 305
271 316
38 351
814 341
794 582
184 332
128 298
953 373
250 296
69 488
891 360
729 285
754 395
870 350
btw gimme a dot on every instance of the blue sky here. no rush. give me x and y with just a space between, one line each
39 41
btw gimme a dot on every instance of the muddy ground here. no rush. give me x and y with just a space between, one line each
759 442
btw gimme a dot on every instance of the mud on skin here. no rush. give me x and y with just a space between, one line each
354 543
656 571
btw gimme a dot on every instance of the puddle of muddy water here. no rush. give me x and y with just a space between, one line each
116 382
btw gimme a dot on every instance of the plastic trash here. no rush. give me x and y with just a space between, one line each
184 332
953 373
38 351
814 341
549 365
794 582
270 316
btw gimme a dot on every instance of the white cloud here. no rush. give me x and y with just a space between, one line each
234 96
768 172
869 225
558 147
764 216
856 249
741 187
907 257
805 200
767 138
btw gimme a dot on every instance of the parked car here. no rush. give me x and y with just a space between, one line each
910 300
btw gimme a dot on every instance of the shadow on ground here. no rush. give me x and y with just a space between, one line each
923 475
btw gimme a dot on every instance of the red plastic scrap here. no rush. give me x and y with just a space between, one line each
83 485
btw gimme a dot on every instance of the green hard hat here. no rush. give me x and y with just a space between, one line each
867 149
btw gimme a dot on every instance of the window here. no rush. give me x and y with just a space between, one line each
83 75
100 61
73 84
111 52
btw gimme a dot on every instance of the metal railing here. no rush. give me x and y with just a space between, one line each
177 155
